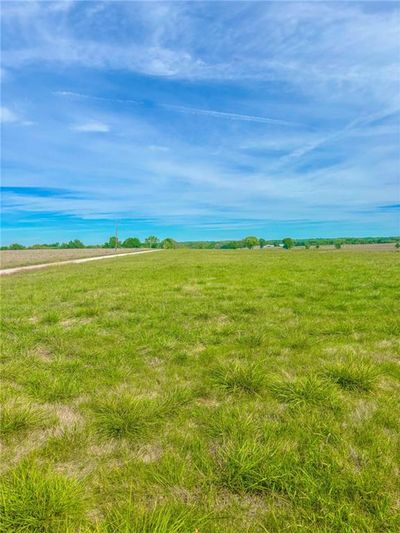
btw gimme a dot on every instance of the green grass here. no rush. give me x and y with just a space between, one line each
209 391
308 390
173 518
239 377
354 375
37 500
17 417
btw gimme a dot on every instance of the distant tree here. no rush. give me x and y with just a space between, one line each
112 242
288 243
76 243
250 242
231 245
262 242
317 246
131 242
151 241
16 246
307 245
397 245
338 245
169 243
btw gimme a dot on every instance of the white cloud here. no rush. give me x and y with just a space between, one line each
92 127
6 115
262 41
158 148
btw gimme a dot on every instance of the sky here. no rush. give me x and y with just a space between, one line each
199 120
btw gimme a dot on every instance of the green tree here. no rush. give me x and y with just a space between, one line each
131 242
307 245
169 243
152 241
16 246
76 243
250 242
338 245
262 242
288 243
397 245
112 242
231 245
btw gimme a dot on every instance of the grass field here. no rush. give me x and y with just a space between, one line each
16 258
196 391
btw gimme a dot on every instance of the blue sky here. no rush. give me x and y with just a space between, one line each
199 120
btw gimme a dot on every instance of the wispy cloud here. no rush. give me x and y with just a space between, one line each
358 122
184 109
91 127
228 116
6 115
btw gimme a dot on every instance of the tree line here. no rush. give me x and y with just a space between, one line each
249 242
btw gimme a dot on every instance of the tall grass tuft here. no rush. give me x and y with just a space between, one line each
167 518
33 499
127 416
17 417
254 467
309 390
239 377
354 375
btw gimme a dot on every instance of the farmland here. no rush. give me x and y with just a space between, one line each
16 258
209 391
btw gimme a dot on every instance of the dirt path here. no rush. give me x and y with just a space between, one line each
15 270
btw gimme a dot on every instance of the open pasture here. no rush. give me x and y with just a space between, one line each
203 391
